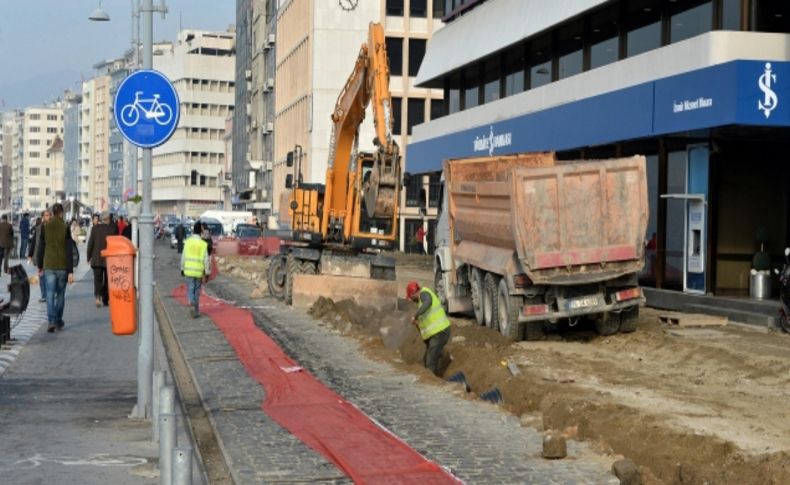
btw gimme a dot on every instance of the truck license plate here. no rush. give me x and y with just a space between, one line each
585 302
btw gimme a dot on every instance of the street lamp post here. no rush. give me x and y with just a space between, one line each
145 355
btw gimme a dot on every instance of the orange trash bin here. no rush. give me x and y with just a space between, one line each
120 254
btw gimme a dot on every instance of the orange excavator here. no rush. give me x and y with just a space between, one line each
340 227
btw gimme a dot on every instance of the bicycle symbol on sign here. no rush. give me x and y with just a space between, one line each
161 113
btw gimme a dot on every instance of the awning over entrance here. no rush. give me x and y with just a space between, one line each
751 93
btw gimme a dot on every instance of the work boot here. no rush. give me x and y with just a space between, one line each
194 313
51 328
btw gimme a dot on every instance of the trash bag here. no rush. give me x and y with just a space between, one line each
19 289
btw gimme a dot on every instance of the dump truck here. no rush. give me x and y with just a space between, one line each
338 228
526 242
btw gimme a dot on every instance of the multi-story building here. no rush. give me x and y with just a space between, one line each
241 117
190 167
94 142
56 162
317 44
71 145
36 130
13 133
117 70
6 156
697 86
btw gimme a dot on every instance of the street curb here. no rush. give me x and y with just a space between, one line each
188 391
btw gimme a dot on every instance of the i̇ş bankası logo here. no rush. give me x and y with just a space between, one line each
492 141
770 99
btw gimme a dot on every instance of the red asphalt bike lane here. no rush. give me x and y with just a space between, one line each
319 417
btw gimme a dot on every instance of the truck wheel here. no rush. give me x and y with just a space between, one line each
476 282
438 285
534 331
629 318
490 298
607 323
508 308
307 267
292 267
276 277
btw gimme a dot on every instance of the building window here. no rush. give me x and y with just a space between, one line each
437 108
33 171
492 71
396 115
438 9
452 93
47 172
32 191
52 117
395 55
644 27
35 129
414 191
34 154
604 41
418 8
771 16
416 113
540 62
48 192
731 14
35 117
471 87
691 22
571 57
416 54
52 129
395 8
34 142
514 71
434 189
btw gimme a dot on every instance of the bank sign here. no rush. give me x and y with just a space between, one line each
751 93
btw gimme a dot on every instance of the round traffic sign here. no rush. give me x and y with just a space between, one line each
146 108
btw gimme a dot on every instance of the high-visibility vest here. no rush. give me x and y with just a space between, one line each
434 320
195 250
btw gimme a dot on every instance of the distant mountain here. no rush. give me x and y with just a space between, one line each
38 89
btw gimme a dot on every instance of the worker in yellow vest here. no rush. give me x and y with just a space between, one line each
432 322
195 266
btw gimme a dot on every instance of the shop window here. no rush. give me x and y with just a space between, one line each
395 55
437 108
691 22
571 57
438 9
452 93
604 41
413 191
395 7
434 189
396 115
416 54
418 8
731 14
416 113
491 81
772 16
540 62
644 26
514 71
471 87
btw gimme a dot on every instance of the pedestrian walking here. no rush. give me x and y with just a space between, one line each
180 233
195 266
419 241
24 234
55 264
35 247
6 241
432 322
76 230
96 244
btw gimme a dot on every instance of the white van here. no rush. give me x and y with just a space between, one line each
229 219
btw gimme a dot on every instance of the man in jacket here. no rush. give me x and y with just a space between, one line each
180 232
55 265
431 321
24 234
35 246
96 244
6 241
195 266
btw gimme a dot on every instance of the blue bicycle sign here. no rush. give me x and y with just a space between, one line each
146 108
160 112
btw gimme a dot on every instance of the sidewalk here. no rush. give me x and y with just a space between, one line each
65 399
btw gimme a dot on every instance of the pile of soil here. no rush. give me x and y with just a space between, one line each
250 268
691 409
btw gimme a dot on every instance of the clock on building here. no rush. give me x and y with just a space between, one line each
348 5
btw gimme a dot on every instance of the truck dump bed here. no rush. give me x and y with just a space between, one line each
567 222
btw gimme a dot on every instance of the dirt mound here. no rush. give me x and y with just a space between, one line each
640 395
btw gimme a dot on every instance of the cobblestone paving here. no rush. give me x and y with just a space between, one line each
476 441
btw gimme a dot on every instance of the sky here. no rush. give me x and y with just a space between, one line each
48 46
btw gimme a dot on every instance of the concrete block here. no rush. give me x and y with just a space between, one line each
379 294
554 445
627 472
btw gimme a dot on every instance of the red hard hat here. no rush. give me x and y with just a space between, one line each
411 289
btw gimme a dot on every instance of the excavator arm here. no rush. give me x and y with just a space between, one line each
368 84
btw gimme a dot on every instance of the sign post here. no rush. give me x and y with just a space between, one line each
146 111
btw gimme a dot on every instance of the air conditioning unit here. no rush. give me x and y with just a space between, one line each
254 124
248 75
270 83
268 127
249 109
272 38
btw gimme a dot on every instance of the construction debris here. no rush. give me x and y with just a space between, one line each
554 446
692 320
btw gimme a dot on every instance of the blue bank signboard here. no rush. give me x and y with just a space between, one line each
755 93
146 108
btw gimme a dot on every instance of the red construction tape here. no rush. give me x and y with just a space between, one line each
320 418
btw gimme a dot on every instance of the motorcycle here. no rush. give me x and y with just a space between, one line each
784 293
